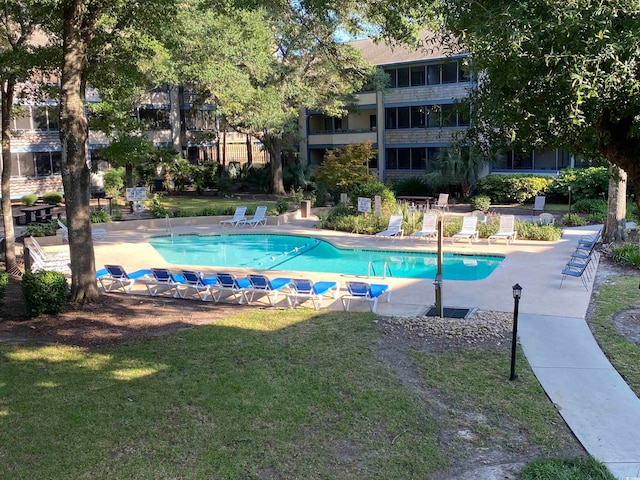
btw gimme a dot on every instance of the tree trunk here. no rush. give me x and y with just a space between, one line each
615 225
73 136
249 151
5 184
274 147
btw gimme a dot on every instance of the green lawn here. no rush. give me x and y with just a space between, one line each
268 394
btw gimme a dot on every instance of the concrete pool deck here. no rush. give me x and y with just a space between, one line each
594 400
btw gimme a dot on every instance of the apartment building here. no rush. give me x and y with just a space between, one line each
169 113
420 113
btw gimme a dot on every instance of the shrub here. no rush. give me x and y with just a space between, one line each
355 223
573 220
411 186
44 292
370 190
533 231
627 254
41 229
592 182
591 206
480 202
4 279
513 188
29 199
52 198
99 216
282 205
113 181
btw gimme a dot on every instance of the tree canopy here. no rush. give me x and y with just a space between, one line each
553 73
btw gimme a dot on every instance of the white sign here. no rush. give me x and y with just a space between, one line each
136 194
364 204
344 198
377 201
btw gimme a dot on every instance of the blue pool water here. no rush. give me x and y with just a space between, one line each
306 254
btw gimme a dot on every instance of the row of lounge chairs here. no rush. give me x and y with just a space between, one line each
225 285
240 220
469 230
580 263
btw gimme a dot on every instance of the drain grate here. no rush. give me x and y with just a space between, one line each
451 312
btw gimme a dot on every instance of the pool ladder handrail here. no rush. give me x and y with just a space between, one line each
385 268
167 225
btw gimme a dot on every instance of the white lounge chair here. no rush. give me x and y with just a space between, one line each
442 203
41 260
429 229
303 289
469 229
238 216
394 229
96 233
538 204
259 218
370 292
506 230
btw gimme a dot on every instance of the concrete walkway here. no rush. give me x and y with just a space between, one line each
594 400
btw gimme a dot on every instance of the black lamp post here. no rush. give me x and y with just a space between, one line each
517 293
569 187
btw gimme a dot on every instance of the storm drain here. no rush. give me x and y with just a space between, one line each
449 312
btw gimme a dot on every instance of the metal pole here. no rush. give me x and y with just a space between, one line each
438 280
514 339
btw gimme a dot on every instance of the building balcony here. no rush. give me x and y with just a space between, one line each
342 137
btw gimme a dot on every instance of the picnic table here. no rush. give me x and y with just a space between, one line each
37 213
419 201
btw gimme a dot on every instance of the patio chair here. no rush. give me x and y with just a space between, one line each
261 285
546 219
164 281
578 271
442 203
394 229
197 282
506 230
469 230
429 229
238 216
303 289
363 291
117 277
259 218
538 204
232 286
96 233
41 260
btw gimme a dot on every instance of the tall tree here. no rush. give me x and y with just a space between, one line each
20 53
553 73
262 66
92 31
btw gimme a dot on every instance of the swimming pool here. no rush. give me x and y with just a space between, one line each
307 254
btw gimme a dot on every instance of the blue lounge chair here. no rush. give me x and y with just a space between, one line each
259 218
238 216
303 289
117 277
197 282
369 292
578 271
261 285
164 281
233 286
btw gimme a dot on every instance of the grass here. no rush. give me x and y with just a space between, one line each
267 394
618 293
575 469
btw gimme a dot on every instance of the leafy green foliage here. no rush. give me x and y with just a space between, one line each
52 198
410 186
345 167
480 202
343 219
627 254
99 216
44 292
513 188
591 206
113 181
282 205
4 279
370 190
41 229
573 220
29 199
586 183
534 231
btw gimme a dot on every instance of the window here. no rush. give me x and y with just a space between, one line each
403 117
434 116
463 72
433 158
45 118
418 117
43 164
155 118
373 122
403 77
418 159
390 119
393 83
22 120
391 162
417 76
450 72
449 118
433 74
404 159
546 160
464 114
